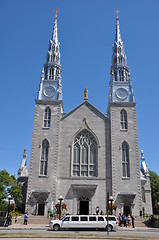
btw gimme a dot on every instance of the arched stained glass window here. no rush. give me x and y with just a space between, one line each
123 120
125 160
47 117
76 162
44 157
84 155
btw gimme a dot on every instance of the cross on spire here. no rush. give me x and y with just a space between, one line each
56 10
117 12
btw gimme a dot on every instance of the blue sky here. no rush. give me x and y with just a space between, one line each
86 30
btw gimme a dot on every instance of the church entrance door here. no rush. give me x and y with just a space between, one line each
127 209
84 207
41 209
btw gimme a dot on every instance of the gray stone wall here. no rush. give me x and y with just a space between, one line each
122 185
84 116
37 183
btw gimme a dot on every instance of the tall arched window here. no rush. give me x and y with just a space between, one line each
123 120
84 155
51 73
143 194
47 117
125 160
121 75
44 157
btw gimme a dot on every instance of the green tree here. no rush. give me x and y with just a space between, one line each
8 185
154 181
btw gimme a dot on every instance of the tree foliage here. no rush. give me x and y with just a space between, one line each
8 185
154 181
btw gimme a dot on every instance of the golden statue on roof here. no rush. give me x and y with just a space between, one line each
85 94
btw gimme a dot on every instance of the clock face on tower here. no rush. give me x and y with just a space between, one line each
49 91
121 93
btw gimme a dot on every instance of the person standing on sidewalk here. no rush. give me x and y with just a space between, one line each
132 218
25 219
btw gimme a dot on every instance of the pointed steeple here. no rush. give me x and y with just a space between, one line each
117 33
23 170
120 87
143 163
51 83
55 33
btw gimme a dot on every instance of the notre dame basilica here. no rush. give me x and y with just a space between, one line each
83 154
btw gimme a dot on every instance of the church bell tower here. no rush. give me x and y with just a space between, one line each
126 189
51 83
45 138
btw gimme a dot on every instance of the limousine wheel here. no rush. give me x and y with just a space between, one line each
56 227
109 228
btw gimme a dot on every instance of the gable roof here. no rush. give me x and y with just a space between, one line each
91 107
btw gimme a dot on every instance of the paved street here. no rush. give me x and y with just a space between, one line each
37 231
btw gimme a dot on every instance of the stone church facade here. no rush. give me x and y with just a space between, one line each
85 153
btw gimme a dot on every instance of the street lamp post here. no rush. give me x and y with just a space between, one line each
8 218
111 199
60 200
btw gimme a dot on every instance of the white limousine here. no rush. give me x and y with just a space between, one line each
85 222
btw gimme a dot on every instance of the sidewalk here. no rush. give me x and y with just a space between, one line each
19 226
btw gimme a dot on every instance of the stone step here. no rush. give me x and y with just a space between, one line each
33 220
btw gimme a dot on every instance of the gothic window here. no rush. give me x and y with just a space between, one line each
85 155
115 74
44 157
53 48
143 194
47 117
119 50
121 75
123 120
57 72
52 58
126 76
51 73
57 58
120 59
125 160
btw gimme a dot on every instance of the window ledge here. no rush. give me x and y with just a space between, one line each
125 178
83 177
42 176
45 128
124 130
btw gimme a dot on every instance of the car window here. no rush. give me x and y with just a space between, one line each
75 218
110 218
100 219
92 218
66 219
84 218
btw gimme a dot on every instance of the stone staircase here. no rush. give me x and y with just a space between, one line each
139 222
33 220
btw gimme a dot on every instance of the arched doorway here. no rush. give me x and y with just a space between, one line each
127 209
83 206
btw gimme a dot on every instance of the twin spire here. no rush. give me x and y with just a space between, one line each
120 86
51 82
55 33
